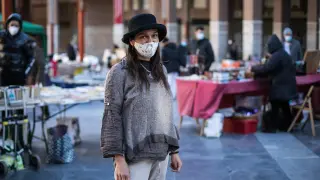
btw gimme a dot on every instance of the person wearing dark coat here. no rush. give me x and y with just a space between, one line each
172 61
37 73
232 50
292 46
71 52
183 52
201 46
283 84
17 52
16 59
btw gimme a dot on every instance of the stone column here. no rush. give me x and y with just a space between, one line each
186 4
312 18
219 27
156 9
172 26
281 16
52 26
81 30
319 27
6 9
252 28
118 27
98 26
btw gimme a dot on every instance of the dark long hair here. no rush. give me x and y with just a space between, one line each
138 72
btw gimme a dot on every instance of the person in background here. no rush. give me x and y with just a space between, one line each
37 73
201 46
72 49
172 61
16 60
137 126
292 46
17 52
283 85
232 50
183 51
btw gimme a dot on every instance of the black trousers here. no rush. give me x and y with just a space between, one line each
281 116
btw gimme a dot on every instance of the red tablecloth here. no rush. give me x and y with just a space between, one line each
201 99
186 92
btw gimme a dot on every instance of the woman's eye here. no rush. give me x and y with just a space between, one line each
155 35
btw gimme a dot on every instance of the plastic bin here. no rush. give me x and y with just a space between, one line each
248 126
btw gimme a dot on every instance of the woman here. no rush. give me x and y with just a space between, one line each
137 128
283 85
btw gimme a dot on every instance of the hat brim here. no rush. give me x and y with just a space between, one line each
162 30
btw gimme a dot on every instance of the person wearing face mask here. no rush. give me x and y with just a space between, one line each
17 52
232 50
292 46
16 59
138 131
183 51
201 46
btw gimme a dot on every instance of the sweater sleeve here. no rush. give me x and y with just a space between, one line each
112 126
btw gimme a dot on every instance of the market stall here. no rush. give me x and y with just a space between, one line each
199 98
64 98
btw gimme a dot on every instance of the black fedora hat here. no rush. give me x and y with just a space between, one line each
143 22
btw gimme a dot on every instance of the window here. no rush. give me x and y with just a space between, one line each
179 4
295 4
268 3
200 4
126 5
146 4
136 4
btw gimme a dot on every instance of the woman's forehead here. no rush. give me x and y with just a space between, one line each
148 32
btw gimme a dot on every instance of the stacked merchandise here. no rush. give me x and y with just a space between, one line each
244 119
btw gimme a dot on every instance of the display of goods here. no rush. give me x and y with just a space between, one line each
230 64
244 113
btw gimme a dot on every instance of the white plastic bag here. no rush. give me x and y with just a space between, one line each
214 126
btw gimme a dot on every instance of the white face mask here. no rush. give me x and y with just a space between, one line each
13 30
200 36
146 50
288 38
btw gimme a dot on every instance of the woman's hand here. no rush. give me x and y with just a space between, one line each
176 163
121 169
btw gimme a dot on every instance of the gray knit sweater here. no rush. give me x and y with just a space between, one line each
137 124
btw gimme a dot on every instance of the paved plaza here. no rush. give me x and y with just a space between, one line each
260 156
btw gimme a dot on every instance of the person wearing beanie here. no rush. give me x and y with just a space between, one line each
138 131
291 45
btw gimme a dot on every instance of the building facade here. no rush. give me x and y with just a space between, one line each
247 22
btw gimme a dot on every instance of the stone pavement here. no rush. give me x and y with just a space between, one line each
260 156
